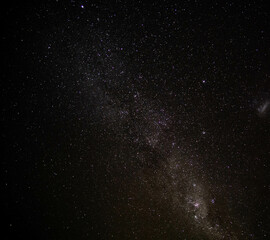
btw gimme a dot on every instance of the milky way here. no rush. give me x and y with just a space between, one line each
137 120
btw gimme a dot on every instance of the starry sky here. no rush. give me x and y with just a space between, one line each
136 120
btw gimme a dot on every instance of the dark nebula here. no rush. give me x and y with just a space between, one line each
136 120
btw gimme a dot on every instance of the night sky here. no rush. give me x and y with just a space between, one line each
136 120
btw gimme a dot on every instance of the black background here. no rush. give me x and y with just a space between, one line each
71 74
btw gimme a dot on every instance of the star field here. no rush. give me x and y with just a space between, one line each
136 120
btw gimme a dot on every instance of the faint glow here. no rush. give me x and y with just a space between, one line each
196 205
262 109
